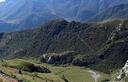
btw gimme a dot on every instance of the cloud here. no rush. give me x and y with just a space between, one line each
2 0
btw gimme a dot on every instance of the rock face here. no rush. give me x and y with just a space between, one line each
59 58
115 33
125 68
123 72
67 57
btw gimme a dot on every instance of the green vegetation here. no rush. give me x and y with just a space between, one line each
99 46
25 66
58 73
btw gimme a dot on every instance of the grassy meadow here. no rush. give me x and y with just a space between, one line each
58 73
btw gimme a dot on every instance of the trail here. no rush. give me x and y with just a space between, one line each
94 75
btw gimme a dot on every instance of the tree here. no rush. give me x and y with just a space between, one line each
20 71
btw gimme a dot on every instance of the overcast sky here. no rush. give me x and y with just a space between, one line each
2 0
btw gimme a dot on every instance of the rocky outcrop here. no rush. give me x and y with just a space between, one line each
115 33
68 57
123 72
59 58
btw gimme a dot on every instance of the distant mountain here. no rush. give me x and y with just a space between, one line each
116 12
4 26
82 10
20 9
79 10
23 14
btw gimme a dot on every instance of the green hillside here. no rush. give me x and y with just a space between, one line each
95 45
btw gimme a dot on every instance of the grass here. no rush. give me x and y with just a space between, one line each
70 73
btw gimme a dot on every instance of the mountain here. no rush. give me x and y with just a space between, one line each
82 10
4 26
55 36
20 9
24 14
116 12
101 46
74 9
78 33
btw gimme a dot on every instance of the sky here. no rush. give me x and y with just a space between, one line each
2 0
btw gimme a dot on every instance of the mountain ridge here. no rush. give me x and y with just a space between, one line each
116 12
19 12
95 44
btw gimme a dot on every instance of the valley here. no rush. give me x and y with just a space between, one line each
58 73
64 41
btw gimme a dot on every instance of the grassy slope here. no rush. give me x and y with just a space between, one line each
72 73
